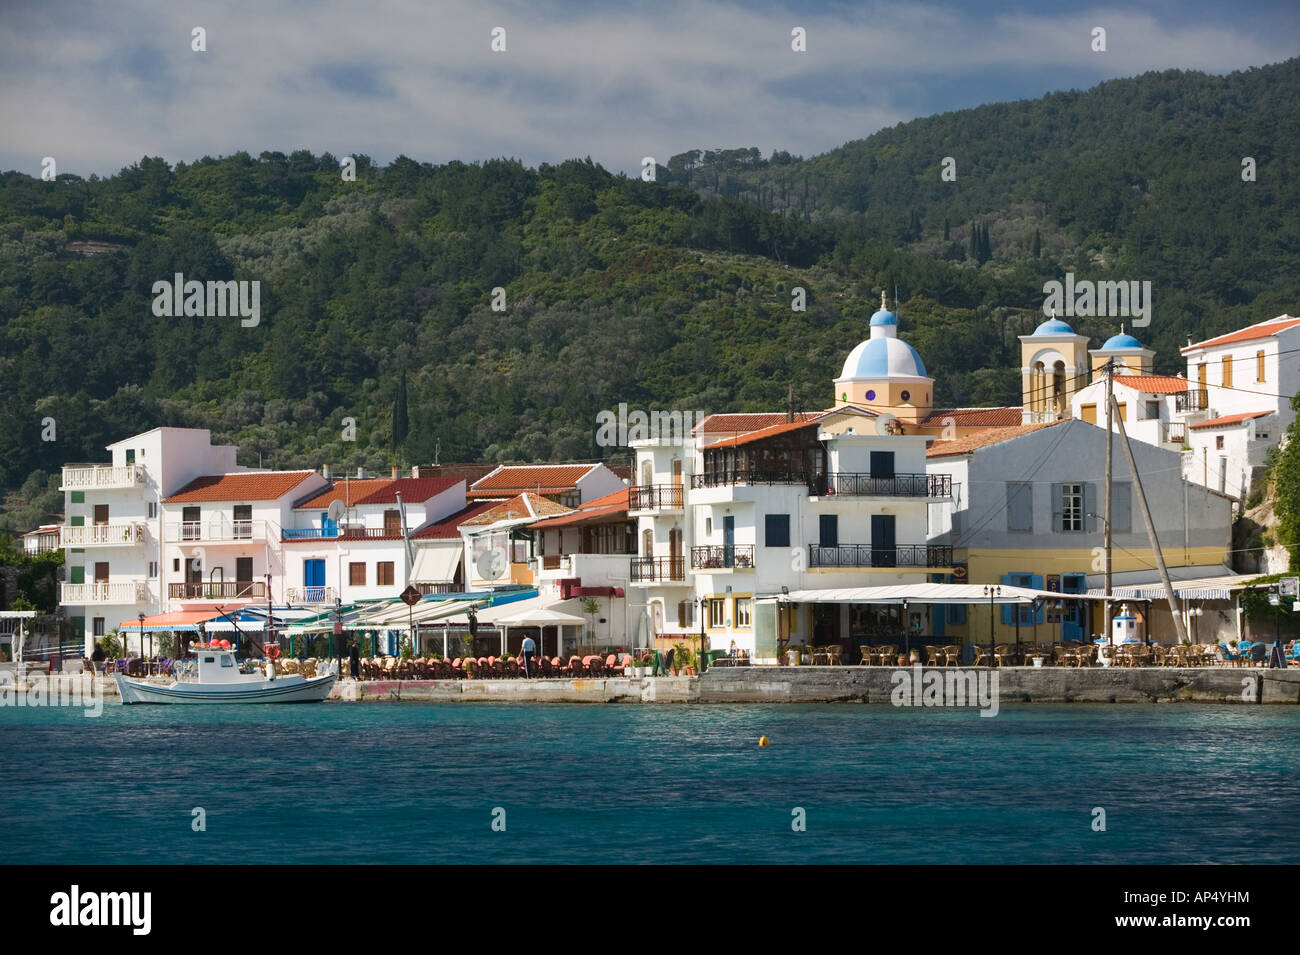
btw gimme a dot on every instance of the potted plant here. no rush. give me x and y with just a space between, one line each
914 657
902 659
470 666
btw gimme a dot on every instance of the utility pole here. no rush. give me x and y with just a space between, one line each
1110 438
1174 609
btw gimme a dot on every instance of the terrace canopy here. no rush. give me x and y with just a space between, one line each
922 594
177 620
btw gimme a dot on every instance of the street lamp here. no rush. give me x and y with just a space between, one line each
703 604
992 592
142 632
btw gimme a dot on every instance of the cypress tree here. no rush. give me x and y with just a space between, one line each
401 423
1038 244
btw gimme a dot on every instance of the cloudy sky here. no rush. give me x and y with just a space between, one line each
98 85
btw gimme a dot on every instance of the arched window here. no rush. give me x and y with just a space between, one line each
647 543
647 473
1058 387
1037 387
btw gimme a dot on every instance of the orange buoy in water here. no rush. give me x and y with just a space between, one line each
764 741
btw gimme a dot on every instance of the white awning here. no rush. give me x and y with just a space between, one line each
545 617
922 594
521 608
1200 588
436 565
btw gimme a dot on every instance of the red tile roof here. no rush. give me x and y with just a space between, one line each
746 422
519 506
768 432
349 492
538 478
1230 419
974 417
1154 384
412 490
982 439
241 486
601 509
449 527
1258 330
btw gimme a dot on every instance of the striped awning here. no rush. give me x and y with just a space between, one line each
1201 588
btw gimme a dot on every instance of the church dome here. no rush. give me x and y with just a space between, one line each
1053 326
883 358
884 317
1120 342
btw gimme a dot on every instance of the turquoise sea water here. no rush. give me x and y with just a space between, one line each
418 783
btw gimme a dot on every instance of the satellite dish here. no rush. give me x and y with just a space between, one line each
335 511
491 564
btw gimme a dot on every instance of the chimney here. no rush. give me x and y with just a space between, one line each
325 471
394 472
361 474
415 471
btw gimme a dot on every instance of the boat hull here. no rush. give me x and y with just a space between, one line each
288 689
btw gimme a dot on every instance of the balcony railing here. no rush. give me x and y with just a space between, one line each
342 532
722 557
846 484
655 497
90 535
1194 399
217 590
309 595
864 555
658 568
753 476
127 592
100 476
1176 432
216 530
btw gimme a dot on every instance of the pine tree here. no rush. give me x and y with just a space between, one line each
1038 244
974 243
401 423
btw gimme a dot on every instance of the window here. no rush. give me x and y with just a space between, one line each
98 624
1218 442
1088 413
744 611
101 572
243 520
828 527
1201 374
357 574
152 510
226 661
717 612
882 464
1071 507
1020 507
1227 371
130 455
708 527
176 565
153 570
776 530
684 613
384 573
1153 409
101 513
392 522
1259 366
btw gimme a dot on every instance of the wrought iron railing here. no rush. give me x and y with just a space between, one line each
721 557
865 555
658 568
1193 399
753 476
848 484
654 497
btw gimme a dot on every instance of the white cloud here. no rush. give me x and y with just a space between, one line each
99 86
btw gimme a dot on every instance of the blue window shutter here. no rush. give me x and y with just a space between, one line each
1010 581
1036 582
1056 507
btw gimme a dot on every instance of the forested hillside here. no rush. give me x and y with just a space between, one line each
377 293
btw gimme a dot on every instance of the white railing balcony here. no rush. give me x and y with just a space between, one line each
309 595
102 476
124 592
216 529
94 535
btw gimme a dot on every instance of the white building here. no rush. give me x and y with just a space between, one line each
113 528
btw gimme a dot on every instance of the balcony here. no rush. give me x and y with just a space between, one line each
103 592
847 484
1176 432
1194 399
753 476
650 569
724 557
864 555
218 590
309 595
344 532
101 477
218 529
96 535
655 497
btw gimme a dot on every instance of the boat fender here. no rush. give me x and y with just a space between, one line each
270 671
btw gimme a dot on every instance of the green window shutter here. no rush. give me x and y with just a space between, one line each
77 520
1009 580
79 626
76 575
78 497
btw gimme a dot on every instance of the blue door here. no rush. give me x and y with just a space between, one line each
313 578
328 528
1074 614
728 541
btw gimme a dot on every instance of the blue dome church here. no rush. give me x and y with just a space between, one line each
885 374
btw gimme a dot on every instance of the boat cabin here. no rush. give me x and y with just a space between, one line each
217 666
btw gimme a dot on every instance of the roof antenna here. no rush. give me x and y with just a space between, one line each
789 406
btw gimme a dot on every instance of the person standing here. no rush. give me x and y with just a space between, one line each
527 649
354 660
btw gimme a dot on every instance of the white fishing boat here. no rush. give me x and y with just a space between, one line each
220 680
